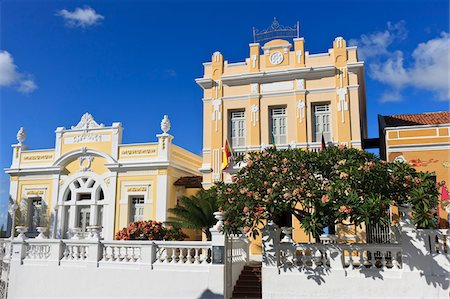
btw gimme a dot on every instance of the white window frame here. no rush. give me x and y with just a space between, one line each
237 118
137 203
322 110
278 125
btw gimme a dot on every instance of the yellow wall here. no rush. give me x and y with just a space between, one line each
411 144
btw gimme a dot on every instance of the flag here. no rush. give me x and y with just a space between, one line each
323 145
226 155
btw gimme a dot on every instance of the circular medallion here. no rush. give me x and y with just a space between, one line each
276 58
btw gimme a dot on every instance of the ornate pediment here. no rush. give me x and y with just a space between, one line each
87 122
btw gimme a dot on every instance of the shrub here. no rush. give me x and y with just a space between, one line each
150 230
324 188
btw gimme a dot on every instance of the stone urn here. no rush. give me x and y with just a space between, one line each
41 230
75 233
219 217
21 230
94 232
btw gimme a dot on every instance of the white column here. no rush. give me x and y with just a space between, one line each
13 190
109 210
162 197
72 217
53 208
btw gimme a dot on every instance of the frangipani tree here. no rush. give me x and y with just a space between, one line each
324 188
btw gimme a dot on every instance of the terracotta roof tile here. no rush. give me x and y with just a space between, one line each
189 181
429 118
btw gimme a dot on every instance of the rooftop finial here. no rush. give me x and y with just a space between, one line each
165 124
21 135
276 31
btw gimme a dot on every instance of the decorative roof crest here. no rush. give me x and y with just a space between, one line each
87 122
276 31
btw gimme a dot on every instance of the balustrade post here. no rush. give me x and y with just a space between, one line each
148 255
56 251
19 246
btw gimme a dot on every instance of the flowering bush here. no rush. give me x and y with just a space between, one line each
150 230
324 188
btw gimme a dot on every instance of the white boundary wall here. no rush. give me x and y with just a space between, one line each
91 268
419 267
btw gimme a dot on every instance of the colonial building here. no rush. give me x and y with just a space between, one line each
282 95
91 179
423 141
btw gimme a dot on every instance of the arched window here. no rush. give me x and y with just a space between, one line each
83 203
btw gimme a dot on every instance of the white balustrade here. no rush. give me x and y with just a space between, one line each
123 251
186 252
37 251
75 251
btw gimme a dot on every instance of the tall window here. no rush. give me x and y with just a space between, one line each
136 208
322 122
278 125
237 128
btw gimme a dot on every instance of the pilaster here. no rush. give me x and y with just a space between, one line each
299 51
342 102
255 50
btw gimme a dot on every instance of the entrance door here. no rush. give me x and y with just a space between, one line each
84 216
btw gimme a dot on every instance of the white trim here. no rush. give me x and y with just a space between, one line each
134 144
273 94
352 47
37 150
419 147
235 63
283 46
417 127
318 54
279 75
207 63
205 83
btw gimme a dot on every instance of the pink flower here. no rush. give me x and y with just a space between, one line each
287 195
284 160
345 209
341 147
246 229
275 168
325 198
245 210
269 191
344 175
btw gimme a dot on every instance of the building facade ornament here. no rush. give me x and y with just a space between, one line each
21 135
300 84
216 116
165 124
301 110
87 122
342 104
254 108
85 162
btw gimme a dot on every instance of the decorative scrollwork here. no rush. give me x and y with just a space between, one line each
276 31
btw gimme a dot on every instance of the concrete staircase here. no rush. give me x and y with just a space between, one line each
249 282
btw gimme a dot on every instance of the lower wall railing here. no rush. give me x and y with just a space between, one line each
115 252
361 256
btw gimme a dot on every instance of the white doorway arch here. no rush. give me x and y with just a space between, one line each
83 202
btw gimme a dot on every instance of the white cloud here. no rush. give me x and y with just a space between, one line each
80 17
11 77
426 69
377 43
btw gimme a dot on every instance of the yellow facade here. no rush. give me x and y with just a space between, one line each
90 178
240 101
422 141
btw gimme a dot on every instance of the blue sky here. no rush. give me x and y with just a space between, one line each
137 60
